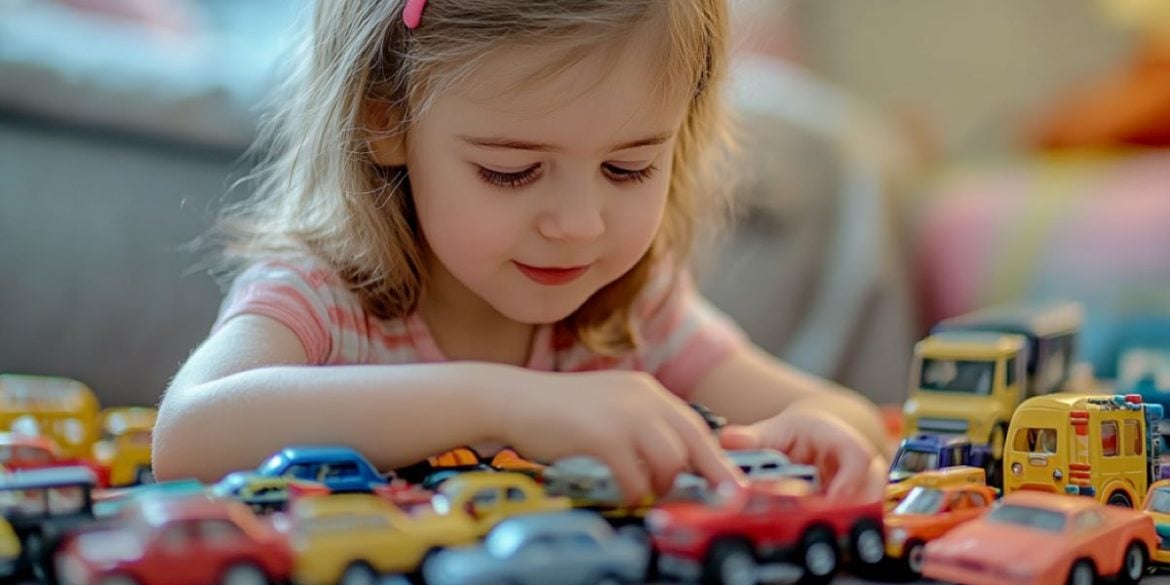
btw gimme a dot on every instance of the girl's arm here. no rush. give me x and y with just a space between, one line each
247 392
750 386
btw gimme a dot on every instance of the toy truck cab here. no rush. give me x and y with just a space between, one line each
966 383
1098 446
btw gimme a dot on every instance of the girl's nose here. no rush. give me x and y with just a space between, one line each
573 215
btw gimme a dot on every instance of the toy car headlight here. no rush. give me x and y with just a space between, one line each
898 536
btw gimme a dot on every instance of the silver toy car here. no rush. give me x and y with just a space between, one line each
573 546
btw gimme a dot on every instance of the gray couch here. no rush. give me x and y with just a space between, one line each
111 163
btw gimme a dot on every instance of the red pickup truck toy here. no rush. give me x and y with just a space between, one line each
766 531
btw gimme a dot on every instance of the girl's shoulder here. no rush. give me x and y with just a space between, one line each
307 294
294 269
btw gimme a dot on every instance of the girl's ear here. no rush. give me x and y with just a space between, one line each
384 133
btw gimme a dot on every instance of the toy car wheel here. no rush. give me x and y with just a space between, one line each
868 544
996 441
915 556
732 563
144 476
359 573
1082 573
819 557
244 574
1134 567
1120 499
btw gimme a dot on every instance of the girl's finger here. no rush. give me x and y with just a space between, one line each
630 477
853 472
736 437
704 454
663 453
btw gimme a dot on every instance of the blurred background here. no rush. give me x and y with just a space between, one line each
904 161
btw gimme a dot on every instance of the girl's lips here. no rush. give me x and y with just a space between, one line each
552 276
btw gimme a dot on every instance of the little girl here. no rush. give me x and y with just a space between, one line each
472 229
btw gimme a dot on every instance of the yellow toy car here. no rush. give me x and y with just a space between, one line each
1158 508
488 497
356 538
125 444
264 493
9 550
940 478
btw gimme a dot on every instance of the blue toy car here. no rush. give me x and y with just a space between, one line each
929 452
339 468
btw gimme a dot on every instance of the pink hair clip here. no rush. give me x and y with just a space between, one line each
412 14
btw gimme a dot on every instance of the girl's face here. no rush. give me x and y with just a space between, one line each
533 195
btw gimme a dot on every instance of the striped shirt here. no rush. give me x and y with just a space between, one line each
681 336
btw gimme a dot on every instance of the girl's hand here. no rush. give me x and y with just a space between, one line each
849 465
645 434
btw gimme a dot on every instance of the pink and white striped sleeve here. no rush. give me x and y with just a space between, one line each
300 293
683 335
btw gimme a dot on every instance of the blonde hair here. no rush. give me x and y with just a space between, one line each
318 189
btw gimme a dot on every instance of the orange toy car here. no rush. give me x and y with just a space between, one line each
928 513
1036 538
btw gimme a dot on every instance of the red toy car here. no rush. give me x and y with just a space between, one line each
765 531
19 452
177 541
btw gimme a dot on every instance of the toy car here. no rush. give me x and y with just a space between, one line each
765 531
406 496
41 505
1035 538
125 446
60 409
961 475
589 483
19 452
167 541
487 498
264 493
555 547
931 452
356 538
339 468
508 459
1158 509
928 513
759 464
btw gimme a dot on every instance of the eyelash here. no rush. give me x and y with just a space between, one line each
527 176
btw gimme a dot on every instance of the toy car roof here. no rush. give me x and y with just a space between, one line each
318 453
48 477
935 440
156 511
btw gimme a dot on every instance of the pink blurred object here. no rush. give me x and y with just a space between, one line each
1089 227
174 16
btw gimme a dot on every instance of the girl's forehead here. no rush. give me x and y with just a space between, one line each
590 101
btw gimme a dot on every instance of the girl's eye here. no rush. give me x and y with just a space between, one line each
621 175
510 180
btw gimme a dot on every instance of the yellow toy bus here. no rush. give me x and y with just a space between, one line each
62 409
1099 446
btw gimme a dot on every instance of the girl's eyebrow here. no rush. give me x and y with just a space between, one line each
513 144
